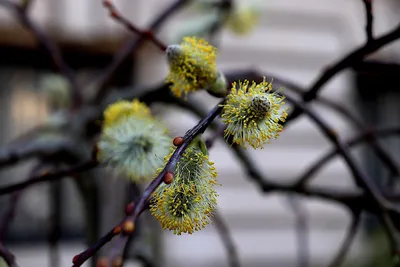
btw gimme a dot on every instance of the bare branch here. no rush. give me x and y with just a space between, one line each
347 61
323 160
131 46
50 176
301 227
369 17
114 13
226 237
8 257
345 247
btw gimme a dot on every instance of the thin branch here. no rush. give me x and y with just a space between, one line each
114 13
40 149
131 46
359 176
226 237
369 17
320 162
50 176
50 47
345 247
12 206
347 61
169 167
301 227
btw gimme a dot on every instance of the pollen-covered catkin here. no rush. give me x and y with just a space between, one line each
187 204
253 114
132 141
192 66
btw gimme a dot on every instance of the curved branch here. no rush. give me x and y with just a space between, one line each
320 163
130 46
347 61
225 235
49 176
345 247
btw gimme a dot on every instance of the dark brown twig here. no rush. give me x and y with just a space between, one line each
114 13
50 176
313 169
14 199
369 17
8 257
349 237
130 46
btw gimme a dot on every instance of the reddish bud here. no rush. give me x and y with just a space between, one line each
168 178
117 262
178 141
107 3
75 259
117 230
129 208
114 14
102 262
128 227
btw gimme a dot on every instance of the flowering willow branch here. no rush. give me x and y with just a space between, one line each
49 176
347 61
130 46
226 237
52 49
114 13
142 204
12 155
369 17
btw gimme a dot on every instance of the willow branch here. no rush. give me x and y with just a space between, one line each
380 151
116 14
130 46
345 247
40 149
226 237
50 176
369 17
323 160
8 257
349 60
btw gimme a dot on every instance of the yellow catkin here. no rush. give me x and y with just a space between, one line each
192 66
123 108
253 114
187 204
